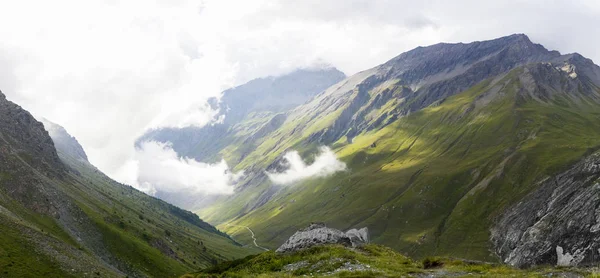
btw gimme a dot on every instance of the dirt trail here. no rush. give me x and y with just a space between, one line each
253 237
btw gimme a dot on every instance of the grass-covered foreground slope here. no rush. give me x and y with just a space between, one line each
369 261
427 181
61 217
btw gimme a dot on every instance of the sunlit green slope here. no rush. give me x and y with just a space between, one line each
431 181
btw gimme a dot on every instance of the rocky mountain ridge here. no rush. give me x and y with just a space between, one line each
423 76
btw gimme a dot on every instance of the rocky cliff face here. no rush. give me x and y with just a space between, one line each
27 137
318 234
559 223
27 156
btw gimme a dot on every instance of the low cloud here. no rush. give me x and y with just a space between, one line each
160 169
325 164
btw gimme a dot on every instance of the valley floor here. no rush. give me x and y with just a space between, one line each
371 261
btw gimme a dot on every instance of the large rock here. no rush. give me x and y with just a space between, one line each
559 223
318 234
361 235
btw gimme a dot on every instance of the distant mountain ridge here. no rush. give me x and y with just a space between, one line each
275 93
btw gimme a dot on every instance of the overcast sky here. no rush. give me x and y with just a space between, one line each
109 70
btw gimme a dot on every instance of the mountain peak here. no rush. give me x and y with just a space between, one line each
277 93
320 69
424 66
323 67
517 36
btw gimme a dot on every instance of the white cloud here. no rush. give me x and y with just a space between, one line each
160 169
107 70
325 164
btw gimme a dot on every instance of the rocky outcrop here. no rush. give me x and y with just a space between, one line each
318 234
361 235
559 223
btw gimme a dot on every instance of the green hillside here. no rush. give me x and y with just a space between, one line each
432 182
63 216
434 154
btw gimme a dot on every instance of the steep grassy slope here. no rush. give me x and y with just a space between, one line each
434 154
61 221
146 232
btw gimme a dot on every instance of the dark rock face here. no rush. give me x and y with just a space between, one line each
20 131
558 224
318 234
28 160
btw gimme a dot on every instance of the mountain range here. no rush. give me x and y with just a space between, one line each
444 147
483 151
